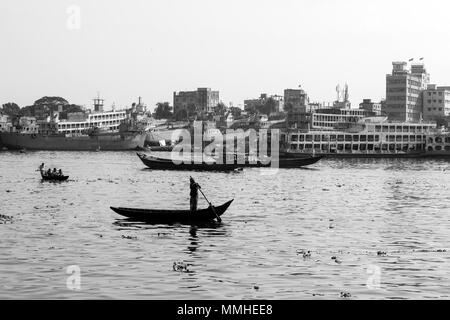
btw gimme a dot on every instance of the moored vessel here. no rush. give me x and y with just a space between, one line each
350 135
109 141
81 131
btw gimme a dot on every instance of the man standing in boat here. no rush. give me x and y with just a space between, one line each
194 195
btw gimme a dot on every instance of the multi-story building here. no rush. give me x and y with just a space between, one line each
28 125
297 98
5 124
250 105
404 92
370 106
436 102
204 100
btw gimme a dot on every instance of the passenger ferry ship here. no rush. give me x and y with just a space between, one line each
438 144
351 133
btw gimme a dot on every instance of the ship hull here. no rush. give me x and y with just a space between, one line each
104 142
360 155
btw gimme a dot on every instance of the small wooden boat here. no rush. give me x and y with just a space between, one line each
157 163
172 216
53 177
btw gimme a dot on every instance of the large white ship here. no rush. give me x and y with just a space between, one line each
80 132
351 133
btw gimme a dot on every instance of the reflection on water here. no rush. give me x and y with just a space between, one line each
310 233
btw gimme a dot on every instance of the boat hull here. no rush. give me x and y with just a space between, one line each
167 164
57 178
361 155
104 142
171 216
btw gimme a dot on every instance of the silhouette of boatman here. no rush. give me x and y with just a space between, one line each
194 195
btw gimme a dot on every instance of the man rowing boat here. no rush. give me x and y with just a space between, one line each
194 194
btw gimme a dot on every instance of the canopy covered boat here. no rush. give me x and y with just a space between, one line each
172 216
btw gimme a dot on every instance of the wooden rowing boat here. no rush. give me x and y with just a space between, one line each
171 216
157 163
52 177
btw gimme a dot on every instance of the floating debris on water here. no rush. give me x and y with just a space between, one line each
180 266
336 260
304 253
318 294
162 234
129 237
5 219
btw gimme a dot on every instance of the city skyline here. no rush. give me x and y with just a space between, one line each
152 49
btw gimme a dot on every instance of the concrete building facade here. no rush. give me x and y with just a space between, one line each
251 104
5 123
404 92
436 102
204 100
297 98
370 106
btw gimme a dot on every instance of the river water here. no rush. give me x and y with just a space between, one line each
374 229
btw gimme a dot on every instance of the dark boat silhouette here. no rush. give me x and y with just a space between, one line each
157 163
172 216
52 177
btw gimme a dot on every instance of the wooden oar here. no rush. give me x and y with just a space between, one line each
211 206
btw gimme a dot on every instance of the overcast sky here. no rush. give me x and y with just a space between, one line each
242 48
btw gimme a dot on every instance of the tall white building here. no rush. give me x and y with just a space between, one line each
404 92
